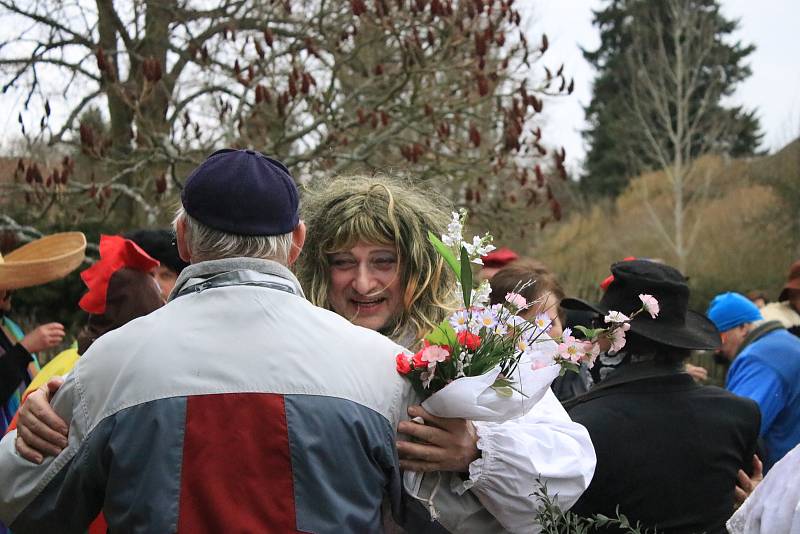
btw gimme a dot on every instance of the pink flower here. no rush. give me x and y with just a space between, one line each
435 353
650 305
516 300
570 349
617 340
617 317
469 340
403 364
590 352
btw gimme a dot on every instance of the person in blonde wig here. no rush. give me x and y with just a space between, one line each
404 288
367 257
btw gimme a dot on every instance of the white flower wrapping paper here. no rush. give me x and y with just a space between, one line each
473 398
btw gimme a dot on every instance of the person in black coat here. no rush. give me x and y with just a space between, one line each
668 449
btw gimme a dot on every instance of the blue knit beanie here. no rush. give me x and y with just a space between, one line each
729 310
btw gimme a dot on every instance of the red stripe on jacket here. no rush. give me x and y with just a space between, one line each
236 474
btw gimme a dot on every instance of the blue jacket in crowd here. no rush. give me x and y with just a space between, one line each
767 370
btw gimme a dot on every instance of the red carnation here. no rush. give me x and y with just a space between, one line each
469 340
403 365
418 362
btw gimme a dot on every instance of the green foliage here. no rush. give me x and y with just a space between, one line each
614 152
553 520
446 254
444 334
466 278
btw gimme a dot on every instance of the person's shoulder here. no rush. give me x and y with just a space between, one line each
728 400
340 328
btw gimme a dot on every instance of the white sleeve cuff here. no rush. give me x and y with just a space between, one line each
480 467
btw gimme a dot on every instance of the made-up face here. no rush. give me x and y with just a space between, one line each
365 285
548 306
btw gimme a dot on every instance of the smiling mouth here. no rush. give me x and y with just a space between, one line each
367 304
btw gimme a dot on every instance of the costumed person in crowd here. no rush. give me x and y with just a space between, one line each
758 297
774 506
120 288
368 258
496 260
32 264
537 283
160 245
668 449
237 406
787 308
765 366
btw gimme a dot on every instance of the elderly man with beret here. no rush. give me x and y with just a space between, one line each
765 367
281 421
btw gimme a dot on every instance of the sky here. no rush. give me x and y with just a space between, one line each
773 89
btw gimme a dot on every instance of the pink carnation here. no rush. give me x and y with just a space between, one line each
650 305
435 353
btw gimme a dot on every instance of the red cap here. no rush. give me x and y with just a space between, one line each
116 252
499 258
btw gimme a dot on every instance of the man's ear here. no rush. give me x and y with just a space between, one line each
298 239
180 238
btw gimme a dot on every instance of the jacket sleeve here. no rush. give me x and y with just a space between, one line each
64 493
546 446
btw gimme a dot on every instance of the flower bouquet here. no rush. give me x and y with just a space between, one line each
486 362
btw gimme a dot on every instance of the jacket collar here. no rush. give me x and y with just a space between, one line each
759 332
634 373
235 271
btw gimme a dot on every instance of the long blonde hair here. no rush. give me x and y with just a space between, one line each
382 210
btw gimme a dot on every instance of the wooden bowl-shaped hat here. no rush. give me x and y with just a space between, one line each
43 260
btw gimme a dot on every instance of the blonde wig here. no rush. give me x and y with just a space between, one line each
380 210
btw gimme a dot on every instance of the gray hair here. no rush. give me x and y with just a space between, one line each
206 243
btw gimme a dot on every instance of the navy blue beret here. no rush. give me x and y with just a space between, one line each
242 192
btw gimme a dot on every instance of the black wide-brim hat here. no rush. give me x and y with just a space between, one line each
675 326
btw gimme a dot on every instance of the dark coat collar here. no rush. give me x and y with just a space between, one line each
633 374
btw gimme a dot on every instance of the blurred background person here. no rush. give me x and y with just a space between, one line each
35 263
496 260
758 297
765 367
120 287
160 245
787 308
668 449
539 285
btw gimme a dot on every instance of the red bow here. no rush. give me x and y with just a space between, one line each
116 252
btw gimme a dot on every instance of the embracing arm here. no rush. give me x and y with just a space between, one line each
544 445
61 494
